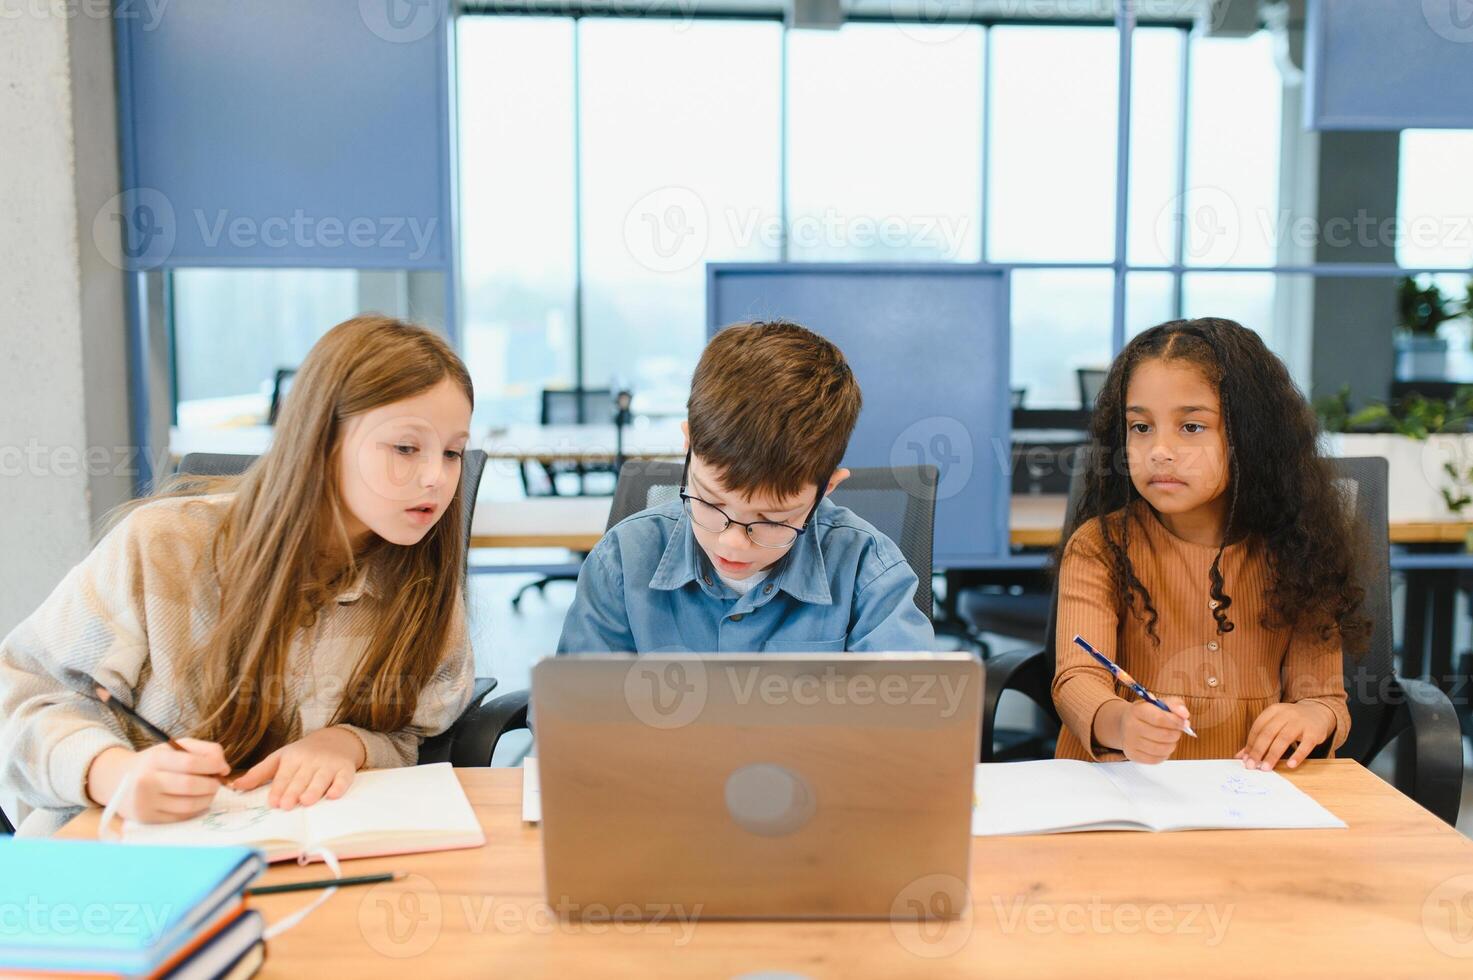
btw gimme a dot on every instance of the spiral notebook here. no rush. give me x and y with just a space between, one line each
385 811
1056 796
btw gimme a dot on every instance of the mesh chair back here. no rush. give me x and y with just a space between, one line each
1091 381
899 501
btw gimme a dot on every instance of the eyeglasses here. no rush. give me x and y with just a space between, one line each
763 534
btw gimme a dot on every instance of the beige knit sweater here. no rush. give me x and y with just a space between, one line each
126 616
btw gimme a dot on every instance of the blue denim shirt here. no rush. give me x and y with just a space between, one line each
647 586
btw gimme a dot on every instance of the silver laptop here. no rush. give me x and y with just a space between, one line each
757 785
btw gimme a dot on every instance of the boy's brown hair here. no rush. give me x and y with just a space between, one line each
772 406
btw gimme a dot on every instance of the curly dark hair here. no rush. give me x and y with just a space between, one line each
1279 487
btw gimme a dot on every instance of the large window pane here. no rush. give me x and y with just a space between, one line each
1061 323
1236 99
1247 297
1155 145
885 143
680 161
1435 199
517 201
1148 300
234 327
1051 145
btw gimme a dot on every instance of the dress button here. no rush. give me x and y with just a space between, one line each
737 618
1212 645
1212 682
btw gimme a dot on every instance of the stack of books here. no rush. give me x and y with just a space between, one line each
124 910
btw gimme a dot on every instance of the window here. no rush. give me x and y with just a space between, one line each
517 205
914 193
234 327
679 166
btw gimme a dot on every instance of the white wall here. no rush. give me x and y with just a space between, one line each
63 370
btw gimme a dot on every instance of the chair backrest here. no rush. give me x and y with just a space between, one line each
575 406
280 385
1091 380
1363 483
228 464
899 501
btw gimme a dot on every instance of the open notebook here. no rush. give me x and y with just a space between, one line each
1062 795
385 811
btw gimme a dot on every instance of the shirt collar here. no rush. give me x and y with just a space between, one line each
365 583
801 573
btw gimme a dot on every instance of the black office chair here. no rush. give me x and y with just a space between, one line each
899 501
571 406
575 406
280 385
439 748
1383 707
1091 380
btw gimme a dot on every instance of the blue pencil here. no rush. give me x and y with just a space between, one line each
1130 682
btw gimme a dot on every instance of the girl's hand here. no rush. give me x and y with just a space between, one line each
1148 735
320 765
1281 725
168 785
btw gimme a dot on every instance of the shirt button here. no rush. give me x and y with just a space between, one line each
1212 604
737 618
1212 645
706 579
1212 682
767 589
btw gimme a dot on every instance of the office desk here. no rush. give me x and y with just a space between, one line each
589 443
1390 896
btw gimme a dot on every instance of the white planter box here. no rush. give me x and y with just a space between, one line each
1417 475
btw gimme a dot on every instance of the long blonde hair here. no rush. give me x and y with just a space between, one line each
287 510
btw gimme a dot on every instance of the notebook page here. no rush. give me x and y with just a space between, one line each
1046 796
420 800
531 791
233 818
1217 794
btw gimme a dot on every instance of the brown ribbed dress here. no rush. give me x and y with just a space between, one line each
1225 679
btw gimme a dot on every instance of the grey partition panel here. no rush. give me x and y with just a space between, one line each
929 345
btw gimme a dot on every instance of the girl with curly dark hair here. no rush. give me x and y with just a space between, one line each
1211 555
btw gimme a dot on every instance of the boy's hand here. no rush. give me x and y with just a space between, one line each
320 765
168 785
1149 735
1281 725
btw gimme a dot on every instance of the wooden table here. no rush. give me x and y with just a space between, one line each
587 443
1390 896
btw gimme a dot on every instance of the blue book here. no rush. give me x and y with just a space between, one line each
95 907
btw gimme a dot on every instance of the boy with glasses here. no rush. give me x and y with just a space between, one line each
753 557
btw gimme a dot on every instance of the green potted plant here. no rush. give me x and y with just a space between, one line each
1426 441
1422 307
